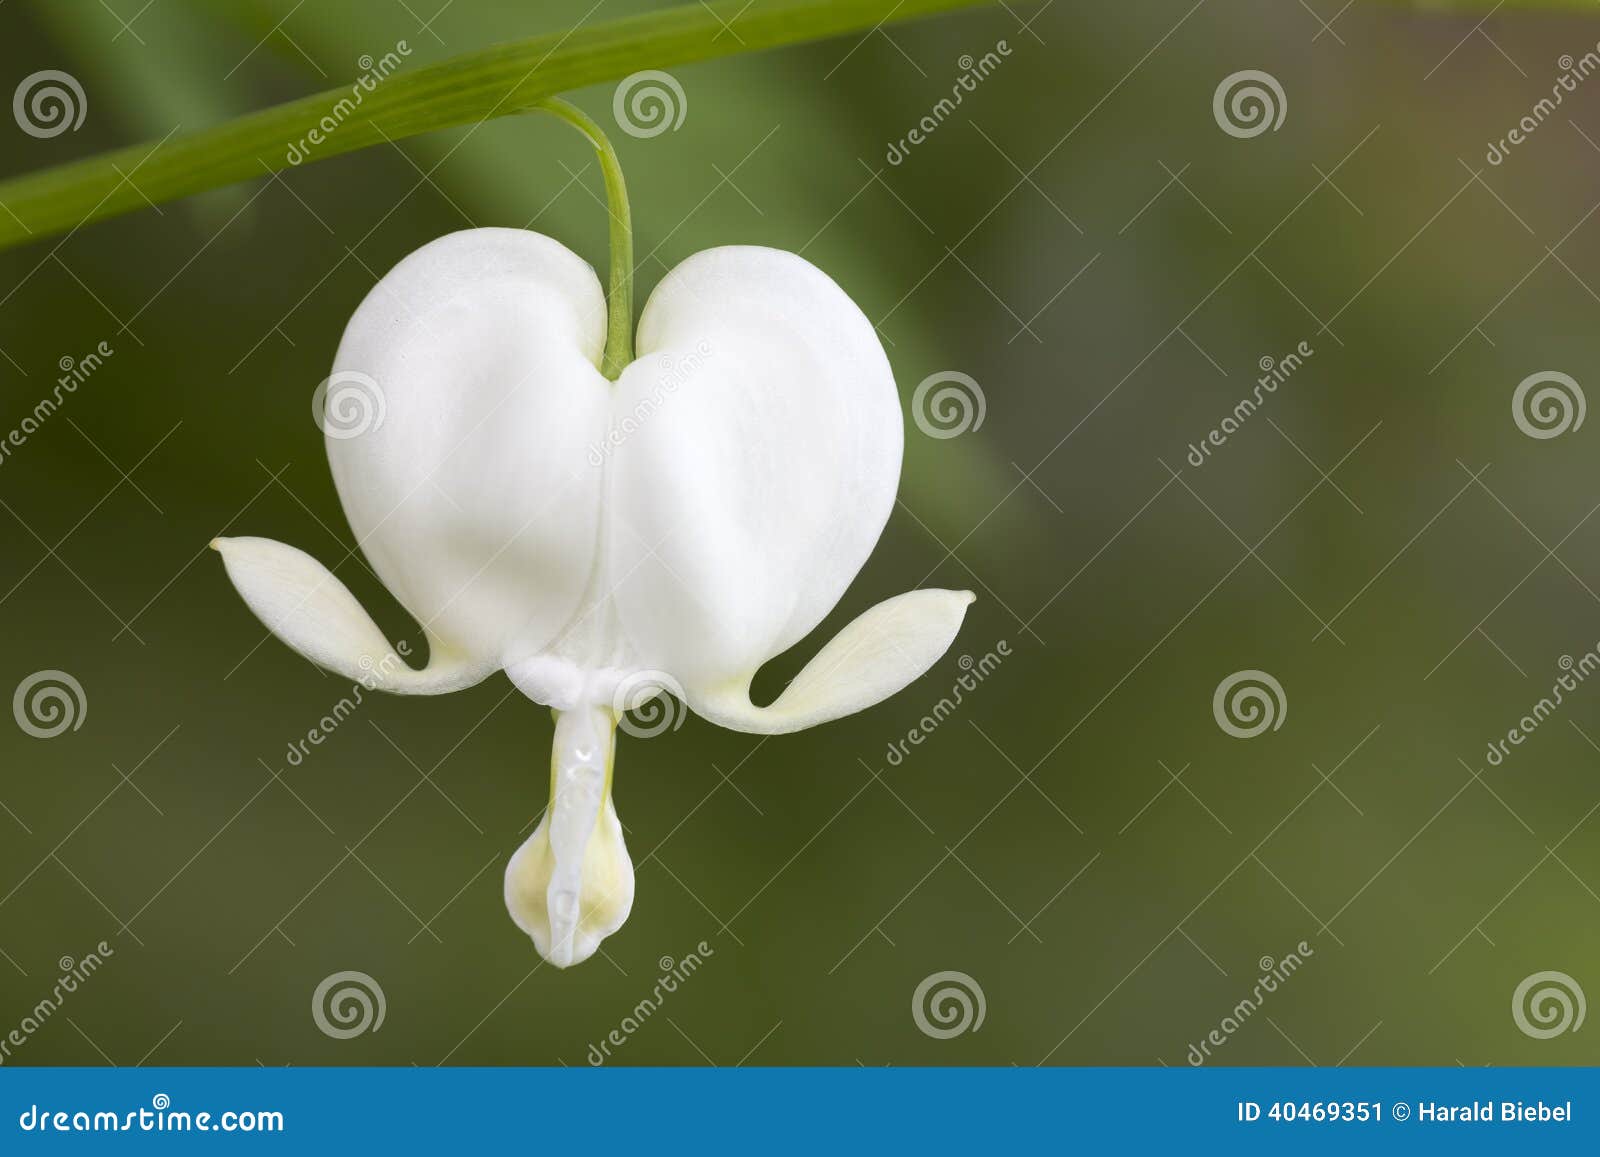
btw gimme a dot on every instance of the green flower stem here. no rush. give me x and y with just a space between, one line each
492 82
619 294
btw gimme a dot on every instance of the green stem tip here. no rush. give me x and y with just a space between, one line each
619 294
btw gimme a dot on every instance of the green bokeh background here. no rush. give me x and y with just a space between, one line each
1035 841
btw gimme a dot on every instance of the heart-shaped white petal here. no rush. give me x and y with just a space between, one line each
687 524
473 499
743 508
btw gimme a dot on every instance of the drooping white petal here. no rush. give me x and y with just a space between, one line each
881 651
475 497
305 605
747 499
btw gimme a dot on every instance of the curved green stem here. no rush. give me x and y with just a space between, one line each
619 293
468 89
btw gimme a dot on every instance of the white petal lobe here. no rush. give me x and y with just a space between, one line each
474 498
745 502
301 602
880 652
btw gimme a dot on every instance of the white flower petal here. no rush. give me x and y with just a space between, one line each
304 604
474 497
880 652
743 504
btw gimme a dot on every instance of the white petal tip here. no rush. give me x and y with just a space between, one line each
306 606
878 654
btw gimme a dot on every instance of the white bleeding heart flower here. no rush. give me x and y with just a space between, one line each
681 525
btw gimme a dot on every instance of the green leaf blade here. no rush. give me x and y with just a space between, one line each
477 86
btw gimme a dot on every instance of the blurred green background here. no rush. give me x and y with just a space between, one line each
1082 239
